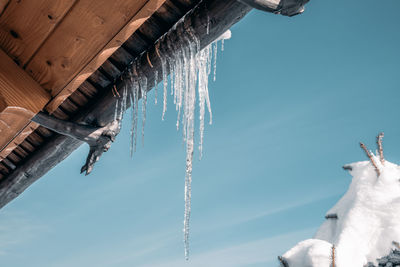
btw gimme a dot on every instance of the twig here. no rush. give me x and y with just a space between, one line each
148 60
331 216
283 261
347 168
115 91
333 256
380 148
370 158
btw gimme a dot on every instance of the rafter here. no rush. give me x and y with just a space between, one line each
20 99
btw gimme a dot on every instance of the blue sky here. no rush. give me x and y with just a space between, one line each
293 98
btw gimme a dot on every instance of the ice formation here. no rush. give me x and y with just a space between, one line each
363 226
189 69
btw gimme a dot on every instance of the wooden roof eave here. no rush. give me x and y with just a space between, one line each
59 48
221 14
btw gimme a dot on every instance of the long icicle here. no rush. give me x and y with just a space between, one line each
143 92
189 69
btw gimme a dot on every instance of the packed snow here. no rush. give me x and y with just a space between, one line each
367 226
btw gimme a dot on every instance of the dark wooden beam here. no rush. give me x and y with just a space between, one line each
221 15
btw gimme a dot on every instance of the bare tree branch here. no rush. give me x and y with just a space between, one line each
283 261
347 168
331 216
380 148
333 256
370 158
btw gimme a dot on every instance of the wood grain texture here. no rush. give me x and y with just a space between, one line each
96 56
223 14
8 147
25 25
18 89
20 99
83 33
3 5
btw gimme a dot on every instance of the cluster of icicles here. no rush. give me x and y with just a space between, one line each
189 69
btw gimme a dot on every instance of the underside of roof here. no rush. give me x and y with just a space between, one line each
43 47
69 59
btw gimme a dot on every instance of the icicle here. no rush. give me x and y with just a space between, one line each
203 62
116 110
190 101
143 92
165 85
171 62
190 69
155 86
178 85
134 102
123 104
208 25
215 59
182 78
222 44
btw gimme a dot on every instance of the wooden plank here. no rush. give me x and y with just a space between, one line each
4 168
85 49
44 132
88 89
3 5
27 146
17 140
14 158
79 98
20 99
26 24
23 27
18 89
121 58
21 152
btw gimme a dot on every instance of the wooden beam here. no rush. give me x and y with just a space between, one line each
222 14
133 24
18 89
25 25
20 99
17 140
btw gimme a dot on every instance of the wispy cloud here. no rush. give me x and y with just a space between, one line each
17 228
253 252
242 216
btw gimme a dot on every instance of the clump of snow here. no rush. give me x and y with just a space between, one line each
368 221
310 252
225 36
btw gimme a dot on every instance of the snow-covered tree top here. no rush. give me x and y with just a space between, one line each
363 224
